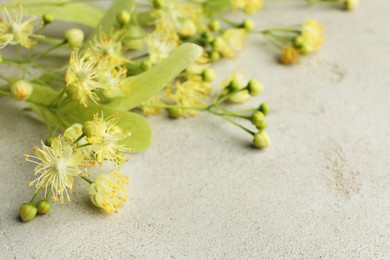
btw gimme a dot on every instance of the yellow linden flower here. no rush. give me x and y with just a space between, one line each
73 133
231 42
158 46
56 167
237 79
311 38
249 6
108 191
105 137
15 29
114 81
289 54
108 47
150 106
191 93
82 77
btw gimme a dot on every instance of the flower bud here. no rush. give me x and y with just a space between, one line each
21 89
123 17
214 56
188 29
174 113
48 141
350 5
146 65
248 25
214 26
264 108
255 87
89 128
208 75
261 140
218 43
48 18
158 4
74 37
43 206
234 84
289 54
208 36
27 211
73 92
258 120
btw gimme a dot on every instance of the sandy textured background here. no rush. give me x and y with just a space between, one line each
321 191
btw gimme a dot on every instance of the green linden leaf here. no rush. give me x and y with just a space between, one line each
151 82
216 6
64 10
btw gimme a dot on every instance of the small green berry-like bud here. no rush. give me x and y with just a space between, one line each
89 128
158 4
27 211
255 87
146 65
218 43
48 141
174 113
264 108
261 140
214 56
75 37
234 85
123 17
43 206
258 120
248 25
48 18
21 89
350 5
208 36
214 26
208 75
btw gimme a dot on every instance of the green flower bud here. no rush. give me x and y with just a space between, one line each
214 26
208 75
255 87
298 41
264 108
234 85
43 206
258 120
158 4
188 29
27 211
261 140
218 43
208 36
89 128
350 5
214 56
146 65
48 141
74 37
21 89
123 17
248 25
48 18
174 113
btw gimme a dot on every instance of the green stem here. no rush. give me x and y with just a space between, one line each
237 124
52 48
86 179
35 196
5 93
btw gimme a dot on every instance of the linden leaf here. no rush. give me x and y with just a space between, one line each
64 10
151 82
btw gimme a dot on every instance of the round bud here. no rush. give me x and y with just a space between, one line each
215 56
43 206
48 141
350 5
298 41
174 113
27 211
255 87
208 36
208 75
158 4
248 25
188 29
218 43
21 89
123 17
264 108
261 140
73 92
74 37
89 128
146 65
258 120
48 18
234 85
214 26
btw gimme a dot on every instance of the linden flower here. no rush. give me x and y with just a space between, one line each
108 191
73 133
158 46
249 6
231 42
56 167
15 29
82 77
311 38
105 137
237 81
289 54
108 47
114 81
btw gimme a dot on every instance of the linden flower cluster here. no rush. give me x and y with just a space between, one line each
62 159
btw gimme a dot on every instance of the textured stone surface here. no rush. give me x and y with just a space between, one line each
321 191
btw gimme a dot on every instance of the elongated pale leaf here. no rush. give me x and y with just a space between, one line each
150 83
216 6
64 10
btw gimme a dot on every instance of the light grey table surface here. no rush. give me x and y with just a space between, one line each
321 191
